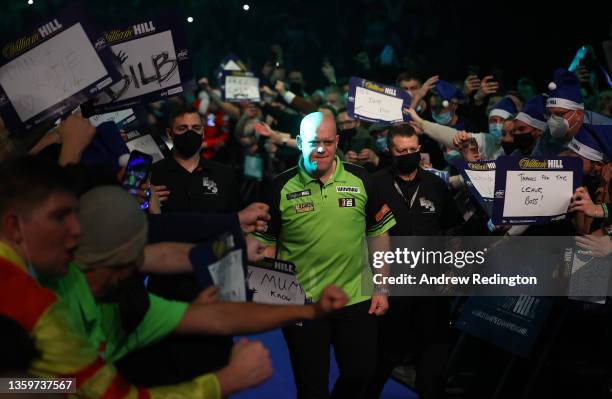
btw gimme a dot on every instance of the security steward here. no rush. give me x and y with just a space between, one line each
185 182
423 206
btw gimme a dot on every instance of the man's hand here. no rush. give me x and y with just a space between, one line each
75 134
581 202
255 249
487 87
428 85
461 137
351 156
263 129
268 91
333 298
367 155
203 82
415 117
207 296
600 246
471 84
254 217
380 305
162 192
249 365
279 86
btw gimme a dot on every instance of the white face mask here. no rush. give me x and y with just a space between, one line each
558 126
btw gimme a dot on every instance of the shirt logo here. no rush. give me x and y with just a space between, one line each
427 204
347 189
346 202
305 207
381 214
210 187
298 194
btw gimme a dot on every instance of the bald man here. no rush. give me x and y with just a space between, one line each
321 212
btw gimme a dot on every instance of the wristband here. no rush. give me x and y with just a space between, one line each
605 210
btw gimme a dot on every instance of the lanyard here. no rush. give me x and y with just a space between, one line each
397 187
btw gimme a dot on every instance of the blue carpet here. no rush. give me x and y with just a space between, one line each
281 385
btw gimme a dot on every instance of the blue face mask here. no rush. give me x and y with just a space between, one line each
442 119
381 143
495 129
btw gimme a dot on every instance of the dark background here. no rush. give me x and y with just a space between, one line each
524 39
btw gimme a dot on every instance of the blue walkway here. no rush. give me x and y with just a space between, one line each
281 385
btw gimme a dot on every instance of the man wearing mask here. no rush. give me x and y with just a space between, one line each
426 208
192 184
567 116
355 141
528 127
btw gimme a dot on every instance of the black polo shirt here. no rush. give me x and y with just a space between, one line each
433 209
211 188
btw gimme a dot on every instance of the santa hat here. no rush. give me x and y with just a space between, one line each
447 92
564 91
533 113
505 108
587 146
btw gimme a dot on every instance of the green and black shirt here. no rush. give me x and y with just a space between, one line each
321 227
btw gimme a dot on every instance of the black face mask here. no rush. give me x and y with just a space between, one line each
406 164
296 88
188 143
524 142
508 147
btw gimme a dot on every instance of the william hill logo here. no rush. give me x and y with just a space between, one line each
116 35
13 49
146 27
527 163
374 87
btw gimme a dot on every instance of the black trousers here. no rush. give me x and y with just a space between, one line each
353 334
416 326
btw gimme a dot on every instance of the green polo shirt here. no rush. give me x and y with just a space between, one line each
322 227
100 322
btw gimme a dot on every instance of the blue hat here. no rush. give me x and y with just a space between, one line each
447 92
533 112
564 91
587 146
505 108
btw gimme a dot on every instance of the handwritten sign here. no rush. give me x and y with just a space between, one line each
374 102
228 275
534 191
480 179
52 70
154 61
241 86
273 281
143 143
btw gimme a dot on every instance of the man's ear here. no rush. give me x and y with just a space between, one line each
298 141
11 228
169 133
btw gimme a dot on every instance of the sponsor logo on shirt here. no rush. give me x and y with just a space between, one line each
427 204
346 202
210 187
298 194
305 207
383 211
347 189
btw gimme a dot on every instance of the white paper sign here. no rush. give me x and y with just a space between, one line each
537 193
377 106
228 275
117 117
147 145
241 88
51 72
483 181
274 287
149 62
